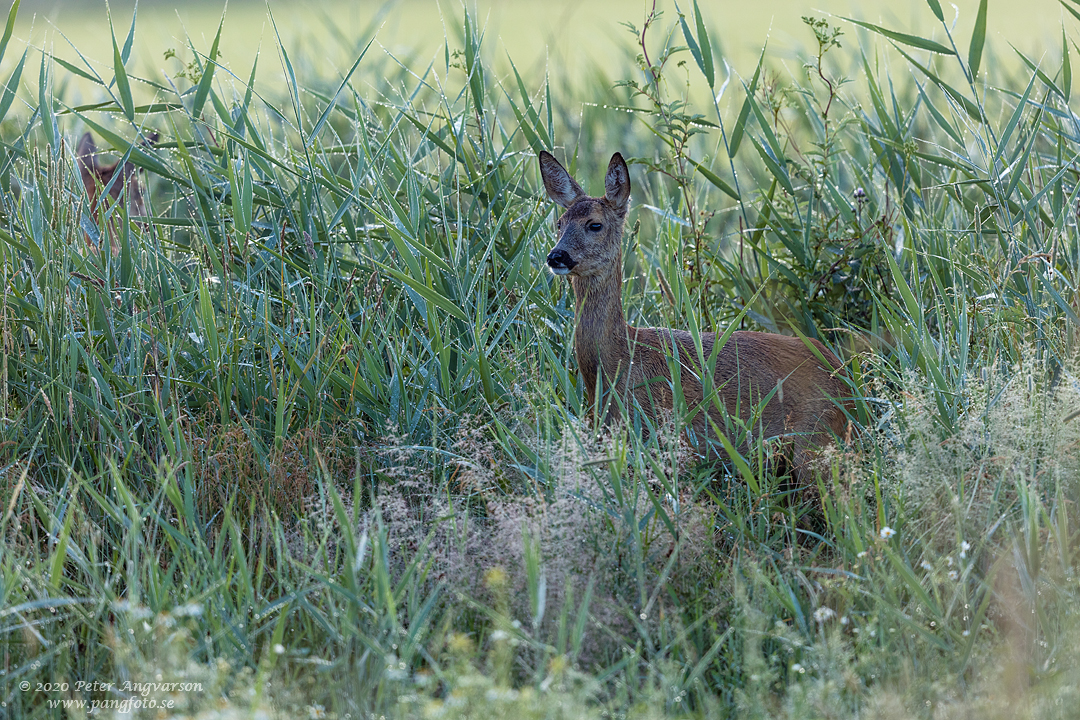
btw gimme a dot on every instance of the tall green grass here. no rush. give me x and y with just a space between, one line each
314 438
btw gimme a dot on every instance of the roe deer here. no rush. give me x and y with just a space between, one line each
97 175
634 362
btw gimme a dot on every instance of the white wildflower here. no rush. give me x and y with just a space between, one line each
887 532
823 614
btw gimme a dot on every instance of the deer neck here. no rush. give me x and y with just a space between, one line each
600 338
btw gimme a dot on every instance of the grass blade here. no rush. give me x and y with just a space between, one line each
1039 73
939 118
912 40
125 53
1072 11
978 39
969 107
48 118
203 90
706 46
9 28
1006 134
699 47
333 100
711 177
744 113
122 85
1066 67
11 87
440 301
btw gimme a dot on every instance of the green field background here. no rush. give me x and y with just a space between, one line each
558 34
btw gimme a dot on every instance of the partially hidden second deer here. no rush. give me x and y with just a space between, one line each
809 394
98 176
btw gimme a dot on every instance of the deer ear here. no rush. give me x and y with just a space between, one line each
85 152
617 182
89 168
559 185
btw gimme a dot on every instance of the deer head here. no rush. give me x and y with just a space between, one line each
98 175
590 231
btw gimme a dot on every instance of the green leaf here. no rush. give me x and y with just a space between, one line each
528 130
474 67
203 90
935 6
12 86
978 39
240 193
969 107
911 303
110 106
333 100
774 142
938 117
72 69
536 125
441 301
706 46
701 51
715 179
1066 67
744 114
1018 167
741 465
48 120
1039 73
10 28
1073 12
241 117
1006 134
208 320
56 571
912 40
122 85
691 42
775 166
1058 300
432 136
125 53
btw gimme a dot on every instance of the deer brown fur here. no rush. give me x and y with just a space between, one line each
636 363
97 175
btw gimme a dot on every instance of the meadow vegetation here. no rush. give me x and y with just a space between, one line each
310 433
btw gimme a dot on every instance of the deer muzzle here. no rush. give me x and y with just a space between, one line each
560 262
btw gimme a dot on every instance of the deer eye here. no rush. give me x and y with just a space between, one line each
595 227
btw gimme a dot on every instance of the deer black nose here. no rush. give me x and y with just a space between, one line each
560 260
